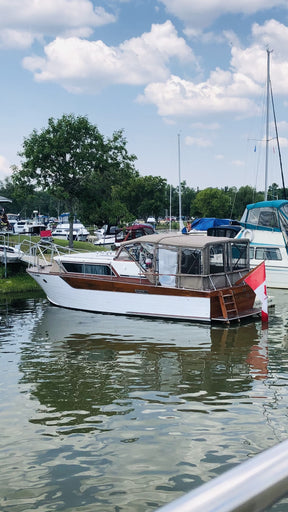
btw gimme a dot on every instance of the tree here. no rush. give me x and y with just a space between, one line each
211 202
71 160
245 195
145 196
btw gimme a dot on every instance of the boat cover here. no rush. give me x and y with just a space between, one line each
204 223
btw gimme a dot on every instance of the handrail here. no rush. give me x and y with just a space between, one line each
253 485
35 251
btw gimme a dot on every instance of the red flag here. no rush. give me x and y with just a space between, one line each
257 281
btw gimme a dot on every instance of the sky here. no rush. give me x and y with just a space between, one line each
184 79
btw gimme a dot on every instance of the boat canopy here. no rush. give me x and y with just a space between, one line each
173 256
268 215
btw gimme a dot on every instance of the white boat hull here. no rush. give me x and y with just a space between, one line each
276 270
61 294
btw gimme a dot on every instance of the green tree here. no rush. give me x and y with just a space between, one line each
72 161
145 196
245 195
211 202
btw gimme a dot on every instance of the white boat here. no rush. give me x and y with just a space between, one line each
28 227
10 254
80 233
265 224
61 230
125 234
106 235
169 276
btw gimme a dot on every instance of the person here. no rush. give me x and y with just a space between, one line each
188 226
4 219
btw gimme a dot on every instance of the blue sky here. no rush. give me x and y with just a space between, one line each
163 70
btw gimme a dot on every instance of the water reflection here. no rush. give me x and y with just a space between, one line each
94 365
107 413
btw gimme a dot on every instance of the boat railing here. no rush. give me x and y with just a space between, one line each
39 254
255 485
209 281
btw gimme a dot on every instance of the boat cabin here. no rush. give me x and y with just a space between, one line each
229 231
194 262
267 215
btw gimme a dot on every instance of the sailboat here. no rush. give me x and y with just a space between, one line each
265 223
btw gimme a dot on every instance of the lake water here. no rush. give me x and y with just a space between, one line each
102 413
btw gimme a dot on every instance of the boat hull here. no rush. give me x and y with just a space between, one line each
137 298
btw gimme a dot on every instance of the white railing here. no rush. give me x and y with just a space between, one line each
253 485
42 253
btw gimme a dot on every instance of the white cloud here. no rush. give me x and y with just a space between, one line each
198 141
238 163
178 97
205 126
198 15
236 90
48 18
81 65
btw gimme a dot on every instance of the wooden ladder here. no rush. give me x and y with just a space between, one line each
228 304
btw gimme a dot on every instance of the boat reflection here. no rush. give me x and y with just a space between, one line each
84 361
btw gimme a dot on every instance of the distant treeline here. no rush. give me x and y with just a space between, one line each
143 197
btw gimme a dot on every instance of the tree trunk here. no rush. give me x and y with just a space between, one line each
71 222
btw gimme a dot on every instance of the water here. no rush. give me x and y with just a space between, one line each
100 413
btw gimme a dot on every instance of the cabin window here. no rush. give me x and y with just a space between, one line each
239 254
268 219
167 266
146 256
148 230
216 259
124 255
191 261
251 253
283 217
83 268
268 253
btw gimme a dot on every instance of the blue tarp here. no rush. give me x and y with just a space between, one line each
204 223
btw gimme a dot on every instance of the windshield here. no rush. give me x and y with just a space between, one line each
264 216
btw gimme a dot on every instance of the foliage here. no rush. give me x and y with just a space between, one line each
71 160
211 202
245 195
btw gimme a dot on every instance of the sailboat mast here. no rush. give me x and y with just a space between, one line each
180 191
267 123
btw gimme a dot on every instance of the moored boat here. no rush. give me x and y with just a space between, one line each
265 224
10 254
161 275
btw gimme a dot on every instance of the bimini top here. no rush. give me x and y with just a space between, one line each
176 240
266 215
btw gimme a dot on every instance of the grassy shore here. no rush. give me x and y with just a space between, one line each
16 279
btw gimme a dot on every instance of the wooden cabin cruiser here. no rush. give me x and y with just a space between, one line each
161 275
265 224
